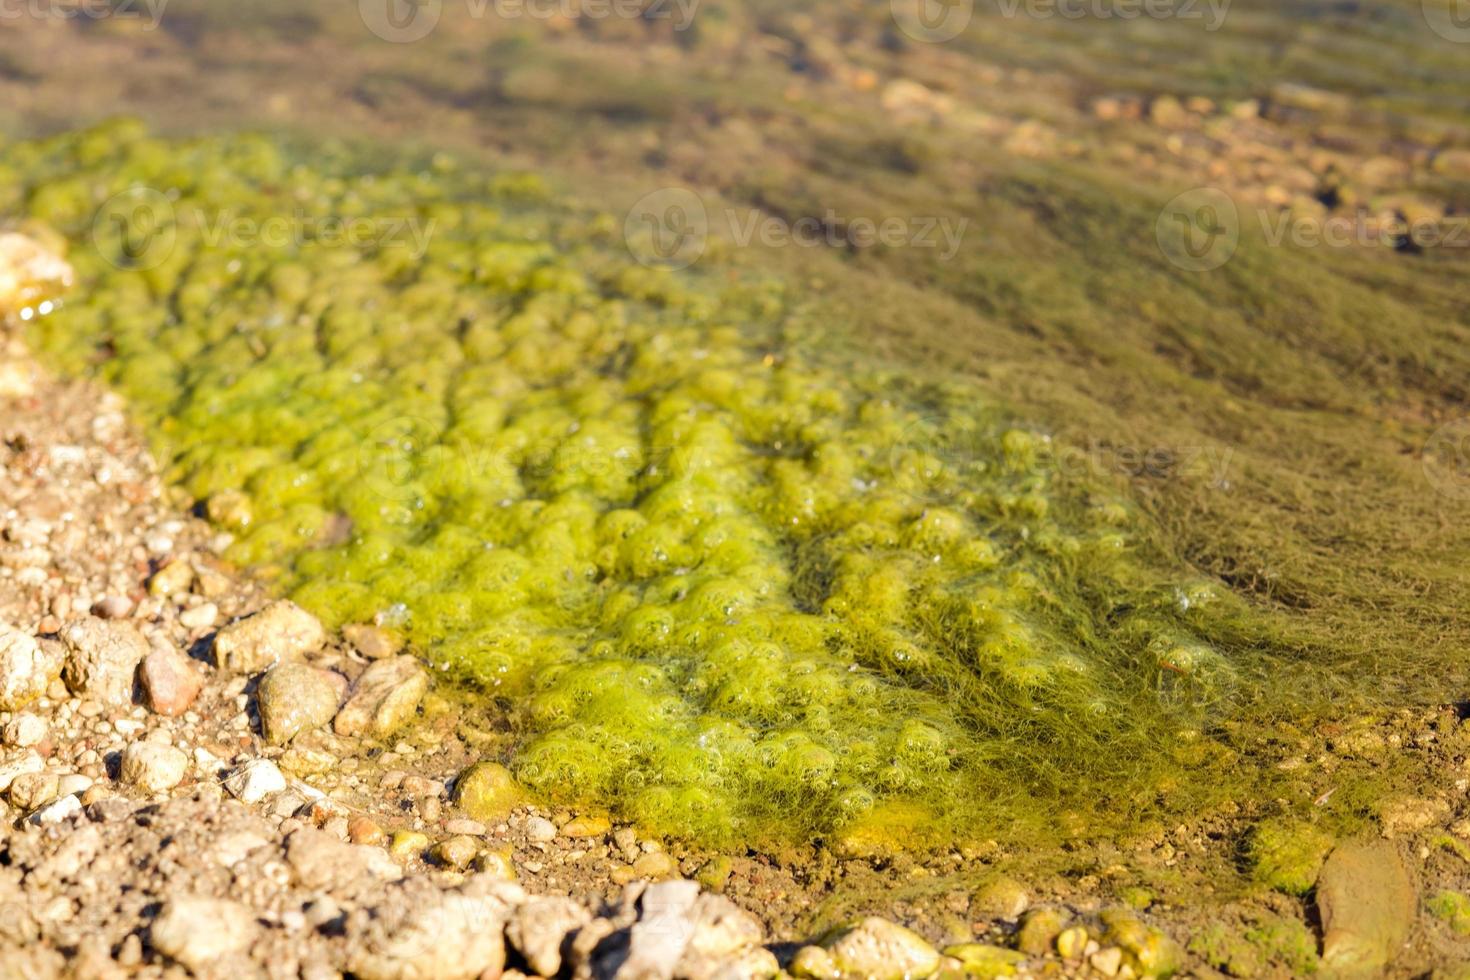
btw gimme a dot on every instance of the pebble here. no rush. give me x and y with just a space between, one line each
365 830
255 780
30 790
373 642
282 631
384 698
426 933
152 767
487 791
586 827
455 852
30 761
27 667
295 698
877 949
25 730
113 607
175 578
200 617
102 659
540 829
408 844
472 828
655 866
60 811
170 681
540 927
198 932
1368 903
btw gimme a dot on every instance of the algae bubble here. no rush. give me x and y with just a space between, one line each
719 582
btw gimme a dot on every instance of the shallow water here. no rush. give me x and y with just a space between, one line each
378 407
719 585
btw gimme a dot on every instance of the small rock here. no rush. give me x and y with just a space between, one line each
324 863
407 844
540 829
497 863
29 761
175 578
877 949
152 767
200 617
25 730
197 932
487 791
423 933
984 960
586 827
60 811
112 607
657 941
282 631
1003 898
720 934
813 963
255 780
655 866
27 667
384 698
365 830
455 852
472 828
1039 928
231 509
1368 902
30 790
171 682
102 660
373 642
539 927
295 698
74 784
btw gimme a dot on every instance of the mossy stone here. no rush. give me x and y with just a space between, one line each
487 791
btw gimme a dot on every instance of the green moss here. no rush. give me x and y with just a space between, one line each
1287 854
1453 908
723 584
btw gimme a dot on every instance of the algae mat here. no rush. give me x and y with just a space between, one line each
717 579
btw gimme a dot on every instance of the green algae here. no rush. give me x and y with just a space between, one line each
718 584
1287 854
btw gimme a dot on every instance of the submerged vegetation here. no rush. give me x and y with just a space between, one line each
719 581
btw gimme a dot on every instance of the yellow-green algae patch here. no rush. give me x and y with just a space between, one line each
719 585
